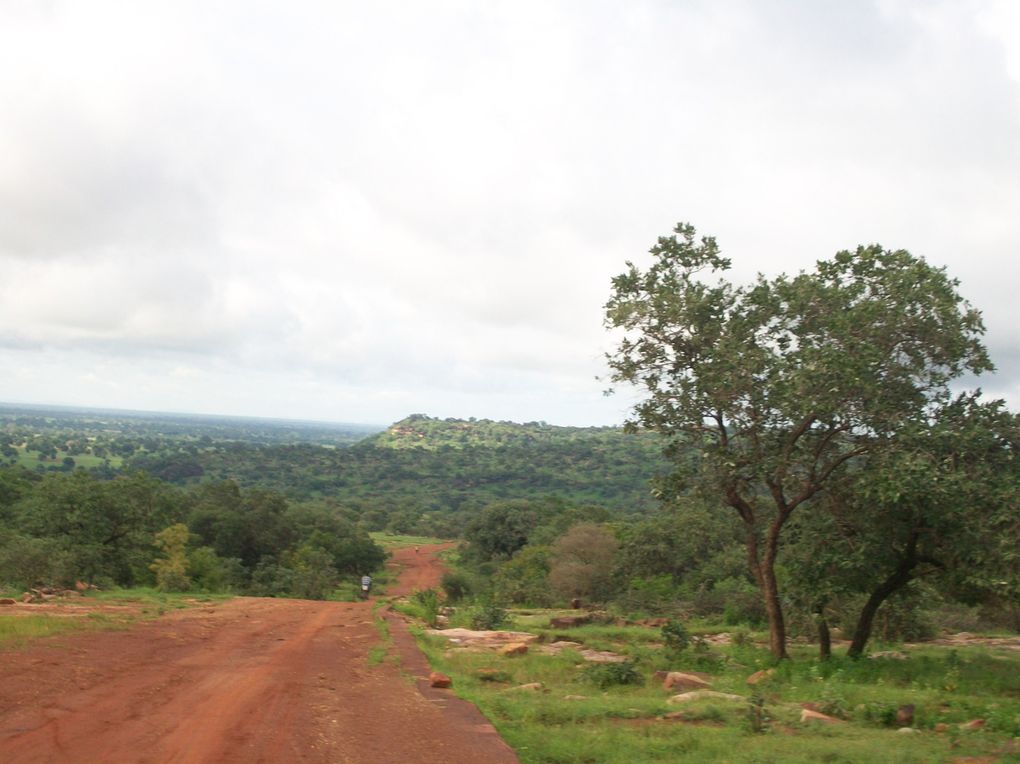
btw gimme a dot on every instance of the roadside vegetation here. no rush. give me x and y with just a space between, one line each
93 611
906 704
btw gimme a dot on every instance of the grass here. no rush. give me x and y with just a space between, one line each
397 541
381 652
19 630
575 721
30 459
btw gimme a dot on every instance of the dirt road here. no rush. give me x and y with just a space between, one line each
247 680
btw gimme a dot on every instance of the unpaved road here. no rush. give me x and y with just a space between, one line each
247 680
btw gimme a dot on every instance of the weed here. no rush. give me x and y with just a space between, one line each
488 616
605 675
675 636
757 718
428 601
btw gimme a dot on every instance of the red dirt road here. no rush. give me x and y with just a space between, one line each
247 680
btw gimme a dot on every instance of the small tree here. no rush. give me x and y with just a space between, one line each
778 385
582 562
172 568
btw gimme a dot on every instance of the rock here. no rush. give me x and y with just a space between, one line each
569 621
807 715
8 601
439 680
529 687
491 675
442 620
973 724
905 715
889 655
689 697
760 676
483 639
660 676
906 731
514 648
677 680
602 656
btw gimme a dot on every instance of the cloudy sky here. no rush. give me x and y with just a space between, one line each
356 211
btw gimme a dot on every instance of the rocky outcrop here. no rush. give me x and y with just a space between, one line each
678 680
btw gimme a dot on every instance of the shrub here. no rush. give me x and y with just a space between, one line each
456 585
676 637
428 601
488 616
605 675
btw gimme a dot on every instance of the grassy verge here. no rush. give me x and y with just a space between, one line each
580 715
126 606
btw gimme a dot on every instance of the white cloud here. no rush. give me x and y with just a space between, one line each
351 211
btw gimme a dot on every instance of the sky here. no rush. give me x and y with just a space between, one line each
353 212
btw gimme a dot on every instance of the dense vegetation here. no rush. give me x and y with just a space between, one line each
420 475
56 529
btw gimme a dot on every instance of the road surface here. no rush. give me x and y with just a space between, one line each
245 680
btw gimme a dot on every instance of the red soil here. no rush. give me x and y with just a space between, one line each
247 680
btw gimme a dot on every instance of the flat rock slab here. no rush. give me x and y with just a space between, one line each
695 695
485 639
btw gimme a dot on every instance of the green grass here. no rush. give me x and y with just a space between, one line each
30 460
396 541
574 721
19 630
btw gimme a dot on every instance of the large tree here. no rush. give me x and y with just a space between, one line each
781 383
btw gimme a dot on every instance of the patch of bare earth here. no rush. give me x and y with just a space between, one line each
246 680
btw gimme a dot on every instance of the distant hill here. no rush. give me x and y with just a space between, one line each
417 465
420 431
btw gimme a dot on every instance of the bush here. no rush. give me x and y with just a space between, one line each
676 637
428 601
488 616
605 675
456 585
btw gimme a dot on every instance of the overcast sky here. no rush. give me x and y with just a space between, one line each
356 211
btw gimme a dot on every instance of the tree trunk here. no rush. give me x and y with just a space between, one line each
898 579
774 611
824 639
763 569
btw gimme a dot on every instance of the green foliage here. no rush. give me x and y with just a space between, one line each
456 585
604 675
488 615
675 637
28 562
524 578
581 562
785 384
172 568
428 602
